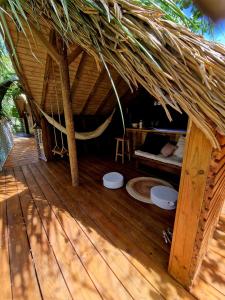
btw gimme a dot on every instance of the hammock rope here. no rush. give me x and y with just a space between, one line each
79 135
55 138
56 149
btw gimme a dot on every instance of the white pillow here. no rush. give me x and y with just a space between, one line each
179 152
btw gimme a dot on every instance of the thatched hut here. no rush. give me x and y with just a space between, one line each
79 59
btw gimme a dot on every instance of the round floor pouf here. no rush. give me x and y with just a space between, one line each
164 197
113 180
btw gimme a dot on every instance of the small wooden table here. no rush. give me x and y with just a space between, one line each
137 135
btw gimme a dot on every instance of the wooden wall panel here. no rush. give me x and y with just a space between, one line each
201 196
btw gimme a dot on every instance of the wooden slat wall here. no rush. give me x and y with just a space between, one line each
201 196
212 205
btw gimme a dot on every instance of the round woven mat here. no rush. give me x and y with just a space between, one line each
139 187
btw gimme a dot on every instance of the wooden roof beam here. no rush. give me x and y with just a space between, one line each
121 96
109 94
78 75
74 54
93 91
47 71
51 50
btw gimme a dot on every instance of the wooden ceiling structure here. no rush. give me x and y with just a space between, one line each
83 89
91 89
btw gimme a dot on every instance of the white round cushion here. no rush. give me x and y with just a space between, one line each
113 180
163 196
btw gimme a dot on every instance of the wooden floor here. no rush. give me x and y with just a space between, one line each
23 152
60 242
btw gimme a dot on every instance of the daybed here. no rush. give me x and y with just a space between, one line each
171 163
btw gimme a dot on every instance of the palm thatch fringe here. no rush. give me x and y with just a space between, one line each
176 66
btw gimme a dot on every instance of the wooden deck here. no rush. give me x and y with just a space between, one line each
23 152
61 242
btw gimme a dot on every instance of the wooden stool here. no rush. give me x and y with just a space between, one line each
123 141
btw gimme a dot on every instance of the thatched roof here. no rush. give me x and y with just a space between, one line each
177 67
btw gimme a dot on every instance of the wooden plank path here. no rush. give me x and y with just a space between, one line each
23 152
60 242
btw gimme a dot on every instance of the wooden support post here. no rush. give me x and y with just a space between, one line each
198 207
67 105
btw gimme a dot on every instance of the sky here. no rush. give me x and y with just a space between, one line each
218 34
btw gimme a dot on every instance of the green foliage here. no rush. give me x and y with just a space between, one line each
8 108
8 105
173 10
203 23
6 68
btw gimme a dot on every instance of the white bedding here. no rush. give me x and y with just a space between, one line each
173 160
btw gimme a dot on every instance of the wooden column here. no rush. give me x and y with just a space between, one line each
68 112
198 206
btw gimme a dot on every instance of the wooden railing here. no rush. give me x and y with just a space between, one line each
6 140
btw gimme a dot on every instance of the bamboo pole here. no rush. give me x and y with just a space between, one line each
67 105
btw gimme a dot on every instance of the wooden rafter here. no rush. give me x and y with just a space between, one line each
78 74
47 45
112 100
109 94
47 71
93 91
74 54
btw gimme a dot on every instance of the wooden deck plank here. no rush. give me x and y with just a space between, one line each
150 227
67 228
5 281
126 273
23 274
52 283
213 271
104 278
111 219
23 152
217 244
152 218
74 272
202 290
145 264
111 205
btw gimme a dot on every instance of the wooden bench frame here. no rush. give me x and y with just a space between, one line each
166 167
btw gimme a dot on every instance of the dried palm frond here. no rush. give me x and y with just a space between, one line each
176 66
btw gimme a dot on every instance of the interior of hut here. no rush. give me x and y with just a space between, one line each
145 122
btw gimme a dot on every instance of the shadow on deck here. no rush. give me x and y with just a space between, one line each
60 242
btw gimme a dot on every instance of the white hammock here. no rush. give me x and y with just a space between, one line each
79 135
